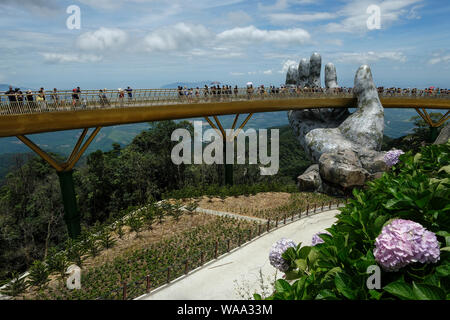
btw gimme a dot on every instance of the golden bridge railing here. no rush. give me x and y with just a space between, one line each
32 103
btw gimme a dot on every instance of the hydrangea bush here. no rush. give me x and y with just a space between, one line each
392 157
316 239
399 222
275 255
403 242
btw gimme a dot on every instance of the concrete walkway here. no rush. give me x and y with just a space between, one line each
237 275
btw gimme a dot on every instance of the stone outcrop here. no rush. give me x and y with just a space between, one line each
345 146
444 135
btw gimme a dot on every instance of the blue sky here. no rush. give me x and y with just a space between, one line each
151 43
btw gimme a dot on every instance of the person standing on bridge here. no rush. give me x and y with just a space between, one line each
75 98
121 96
130 93
55 98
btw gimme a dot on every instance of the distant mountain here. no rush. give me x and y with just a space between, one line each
187 84
5 87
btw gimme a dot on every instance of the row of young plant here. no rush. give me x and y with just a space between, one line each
194 246
392 241
298 202
92 242
229 191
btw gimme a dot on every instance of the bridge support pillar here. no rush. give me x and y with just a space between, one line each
72 215
227 168
65 174
433 125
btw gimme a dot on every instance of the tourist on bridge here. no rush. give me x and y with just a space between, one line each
121 96
30 100
55 98
75 97
130 93
236 91
41 99
11 94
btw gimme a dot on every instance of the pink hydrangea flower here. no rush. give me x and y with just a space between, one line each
403 242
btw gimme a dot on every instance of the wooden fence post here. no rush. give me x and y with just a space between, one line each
124 292
168 274
147 278
216 249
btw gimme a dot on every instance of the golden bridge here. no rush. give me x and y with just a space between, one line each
30 113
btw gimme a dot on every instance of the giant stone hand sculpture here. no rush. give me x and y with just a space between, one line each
346 147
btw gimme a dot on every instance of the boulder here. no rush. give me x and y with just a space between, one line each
342 168
444 135
310 180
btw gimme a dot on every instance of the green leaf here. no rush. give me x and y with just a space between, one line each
257 296
282 286
428 292
401 290
445 249
326 294
301 264
443 270
342 281
303 253
375 294
289 255
446 169
291 275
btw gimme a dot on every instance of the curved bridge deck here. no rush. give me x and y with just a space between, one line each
61 112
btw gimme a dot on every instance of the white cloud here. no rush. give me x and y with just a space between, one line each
288 64
239 18
70 57
179 36
289 18
268 72
354 14
39 7
439 58
109 4
102 39
255 35
369 57
237 73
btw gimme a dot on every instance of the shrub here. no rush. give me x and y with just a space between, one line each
39 273
417 189
16 286
106 239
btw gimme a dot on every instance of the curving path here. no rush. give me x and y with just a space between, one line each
236 275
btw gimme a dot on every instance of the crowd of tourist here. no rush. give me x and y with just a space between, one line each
45 100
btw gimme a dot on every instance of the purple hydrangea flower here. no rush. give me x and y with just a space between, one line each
316 239
403 242
391 157
277 250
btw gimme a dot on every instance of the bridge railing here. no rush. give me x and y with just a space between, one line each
32 103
